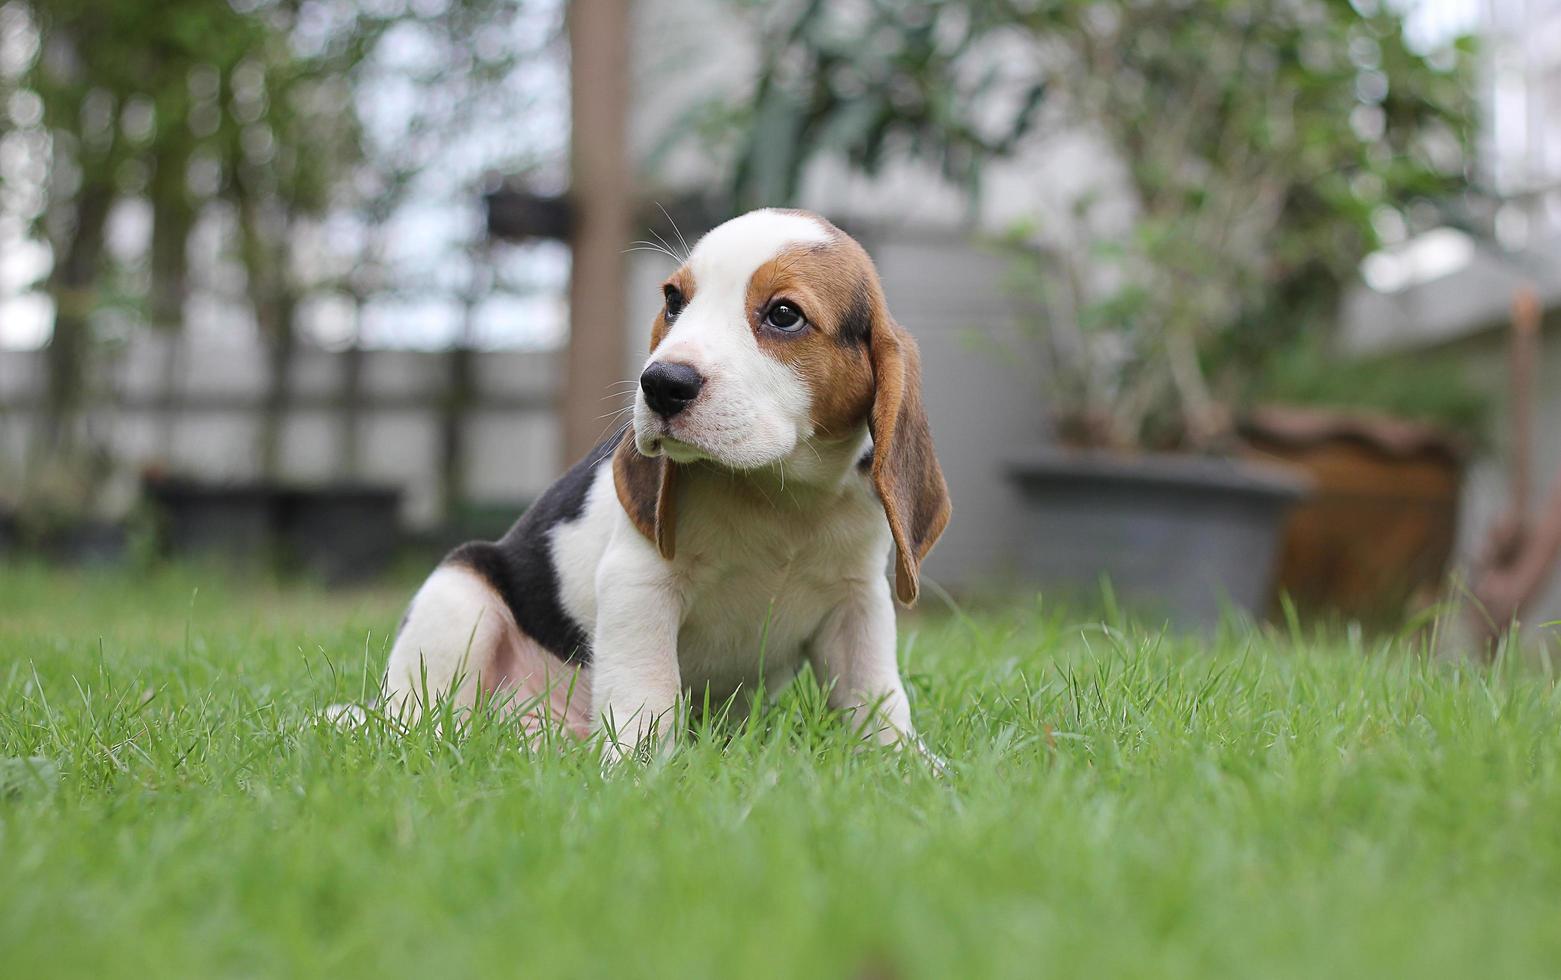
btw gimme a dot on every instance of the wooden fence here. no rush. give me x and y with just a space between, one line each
473 426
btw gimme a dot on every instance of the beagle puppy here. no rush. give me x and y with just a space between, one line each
742 523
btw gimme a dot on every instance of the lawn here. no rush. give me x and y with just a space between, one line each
1122 803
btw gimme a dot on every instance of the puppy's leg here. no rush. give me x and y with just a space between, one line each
635 679
853 652
448 646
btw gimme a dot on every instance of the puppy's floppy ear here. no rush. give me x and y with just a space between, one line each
647 489
905 468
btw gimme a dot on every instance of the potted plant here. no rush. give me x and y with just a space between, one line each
1138 484
1249 160
1385 451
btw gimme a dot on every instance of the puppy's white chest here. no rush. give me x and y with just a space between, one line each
756 593
750 620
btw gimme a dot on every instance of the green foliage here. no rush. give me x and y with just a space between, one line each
1432 389
1261 145
1122 804
880 80
251 111
1248 153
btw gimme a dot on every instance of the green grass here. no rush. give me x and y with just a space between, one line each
1123 805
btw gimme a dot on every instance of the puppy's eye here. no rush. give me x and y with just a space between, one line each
674 301
785 317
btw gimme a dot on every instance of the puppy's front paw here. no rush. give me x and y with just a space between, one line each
614 755
936 763
344 716
640 740
618 755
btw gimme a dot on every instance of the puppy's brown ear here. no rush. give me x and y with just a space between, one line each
905 468
647 489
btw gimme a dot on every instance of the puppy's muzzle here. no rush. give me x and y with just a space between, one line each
670 387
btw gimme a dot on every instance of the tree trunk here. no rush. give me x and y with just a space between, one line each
72 287
348 445
452 421
602 194
172 218
275 315
263 246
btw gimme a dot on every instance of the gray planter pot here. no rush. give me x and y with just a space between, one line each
339 534
1181 536
228 522
86 541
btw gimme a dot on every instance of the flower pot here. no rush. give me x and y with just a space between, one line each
228 522
86 542
337 533
1187 537
1379 531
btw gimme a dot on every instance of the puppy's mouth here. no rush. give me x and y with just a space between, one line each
662 444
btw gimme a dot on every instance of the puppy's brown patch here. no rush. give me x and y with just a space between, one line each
647 489
836 288
905 467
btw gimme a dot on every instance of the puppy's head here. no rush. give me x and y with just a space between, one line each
773 338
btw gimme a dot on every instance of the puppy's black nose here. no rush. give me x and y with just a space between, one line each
669 387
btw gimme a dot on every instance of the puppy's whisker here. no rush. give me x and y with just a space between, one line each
612 443
653 247
675 230
663 241
767 498
657 246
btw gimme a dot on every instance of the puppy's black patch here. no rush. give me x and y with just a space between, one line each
519 565
856 326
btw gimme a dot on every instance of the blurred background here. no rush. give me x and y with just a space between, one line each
1228 303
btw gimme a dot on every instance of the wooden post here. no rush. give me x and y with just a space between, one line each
601 192
1522 551
348 444
1524 354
